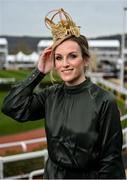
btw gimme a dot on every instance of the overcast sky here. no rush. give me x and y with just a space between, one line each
96 17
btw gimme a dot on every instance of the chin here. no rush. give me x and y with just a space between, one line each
70 81
67 79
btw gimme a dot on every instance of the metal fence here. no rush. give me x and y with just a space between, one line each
23 144
24 156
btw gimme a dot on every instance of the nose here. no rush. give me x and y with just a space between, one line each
65 62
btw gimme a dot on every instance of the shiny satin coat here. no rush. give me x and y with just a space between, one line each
82 126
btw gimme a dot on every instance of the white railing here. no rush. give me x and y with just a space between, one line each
96 79
18 157
124 138
7 80
23 144
36 154
124 117
36 173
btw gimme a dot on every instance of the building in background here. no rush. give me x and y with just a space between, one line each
105 50
3 52
43 44
21 61
106 54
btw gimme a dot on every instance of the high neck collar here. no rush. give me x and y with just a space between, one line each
77 88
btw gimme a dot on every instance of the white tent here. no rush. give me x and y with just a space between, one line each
34 57
21 60
11 58
19 56
26 58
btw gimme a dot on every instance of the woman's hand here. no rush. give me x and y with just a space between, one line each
45 63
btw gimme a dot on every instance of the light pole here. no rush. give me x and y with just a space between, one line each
123 48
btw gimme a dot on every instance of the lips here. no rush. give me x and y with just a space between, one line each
67 70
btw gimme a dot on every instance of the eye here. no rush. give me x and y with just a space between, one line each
73 56
58 58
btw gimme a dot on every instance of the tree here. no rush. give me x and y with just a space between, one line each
22 46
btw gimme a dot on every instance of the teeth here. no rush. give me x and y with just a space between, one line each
68 70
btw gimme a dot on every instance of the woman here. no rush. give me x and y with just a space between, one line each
82 121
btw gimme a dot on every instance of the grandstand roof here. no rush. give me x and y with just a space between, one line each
104 43
92 43
45 43
3 41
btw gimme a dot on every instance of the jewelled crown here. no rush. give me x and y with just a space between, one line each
64 25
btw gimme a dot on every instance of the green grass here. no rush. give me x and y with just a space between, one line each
121 106
22 74
18 75
10 126
123 111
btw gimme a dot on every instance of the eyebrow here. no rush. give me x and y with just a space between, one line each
68 53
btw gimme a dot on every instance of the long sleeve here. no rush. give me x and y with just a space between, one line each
111 165
21 103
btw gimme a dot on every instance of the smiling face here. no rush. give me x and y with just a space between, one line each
69 62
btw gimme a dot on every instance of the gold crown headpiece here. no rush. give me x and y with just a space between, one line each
64 26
